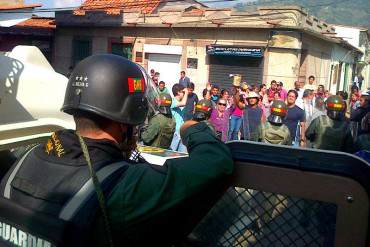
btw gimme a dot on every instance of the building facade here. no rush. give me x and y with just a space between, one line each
358 37
272 43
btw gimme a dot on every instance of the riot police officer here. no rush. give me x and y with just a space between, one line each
140 204
203 110
363 140
331 131
274 131
202 113
161 126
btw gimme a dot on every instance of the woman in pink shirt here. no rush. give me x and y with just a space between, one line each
236 118
282 91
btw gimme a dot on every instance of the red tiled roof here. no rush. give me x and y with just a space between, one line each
115 6
19 6
38 22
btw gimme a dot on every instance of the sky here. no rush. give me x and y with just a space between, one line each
73 3
55 3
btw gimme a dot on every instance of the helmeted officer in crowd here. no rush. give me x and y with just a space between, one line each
143 204
362 143
161 126
331 131
274 131
202 113
203 110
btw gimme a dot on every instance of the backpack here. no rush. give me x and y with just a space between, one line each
21 226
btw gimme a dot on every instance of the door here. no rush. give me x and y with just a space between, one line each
222 66
168 66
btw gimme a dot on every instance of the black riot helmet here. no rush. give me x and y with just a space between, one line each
335 107
278 112
203 110
110 86
164 102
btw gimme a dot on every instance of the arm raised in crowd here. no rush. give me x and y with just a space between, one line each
237 100
208 92
184 99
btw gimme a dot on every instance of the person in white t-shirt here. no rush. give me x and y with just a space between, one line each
298 87
311 84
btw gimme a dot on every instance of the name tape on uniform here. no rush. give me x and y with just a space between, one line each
16 237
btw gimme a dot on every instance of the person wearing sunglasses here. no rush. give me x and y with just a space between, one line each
220 119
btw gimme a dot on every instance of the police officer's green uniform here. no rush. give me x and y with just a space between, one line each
274 131
363 140
161 126
148 205
331 131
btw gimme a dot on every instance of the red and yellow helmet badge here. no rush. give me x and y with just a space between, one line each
279 110
335 106
202 108
136 85
165 102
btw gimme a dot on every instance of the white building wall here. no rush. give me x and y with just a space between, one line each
344 57
349 34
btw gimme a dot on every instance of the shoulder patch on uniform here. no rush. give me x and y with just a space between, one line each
54 144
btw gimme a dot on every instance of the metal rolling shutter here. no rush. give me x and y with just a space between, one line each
221 67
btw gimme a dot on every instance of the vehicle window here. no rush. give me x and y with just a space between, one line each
245 217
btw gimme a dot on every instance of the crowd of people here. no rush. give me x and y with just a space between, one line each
273 114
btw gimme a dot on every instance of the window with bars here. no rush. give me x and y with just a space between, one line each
122 49
81 49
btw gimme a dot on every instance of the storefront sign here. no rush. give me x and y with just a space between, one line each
234 51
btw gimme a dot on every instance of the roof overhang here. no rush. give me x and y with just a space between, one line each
19 6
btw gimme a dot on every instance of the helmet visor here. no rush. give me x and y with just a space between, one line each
151 91
275 119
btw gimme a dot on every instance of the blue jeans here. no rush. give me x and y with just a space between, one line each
176 144
235 123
